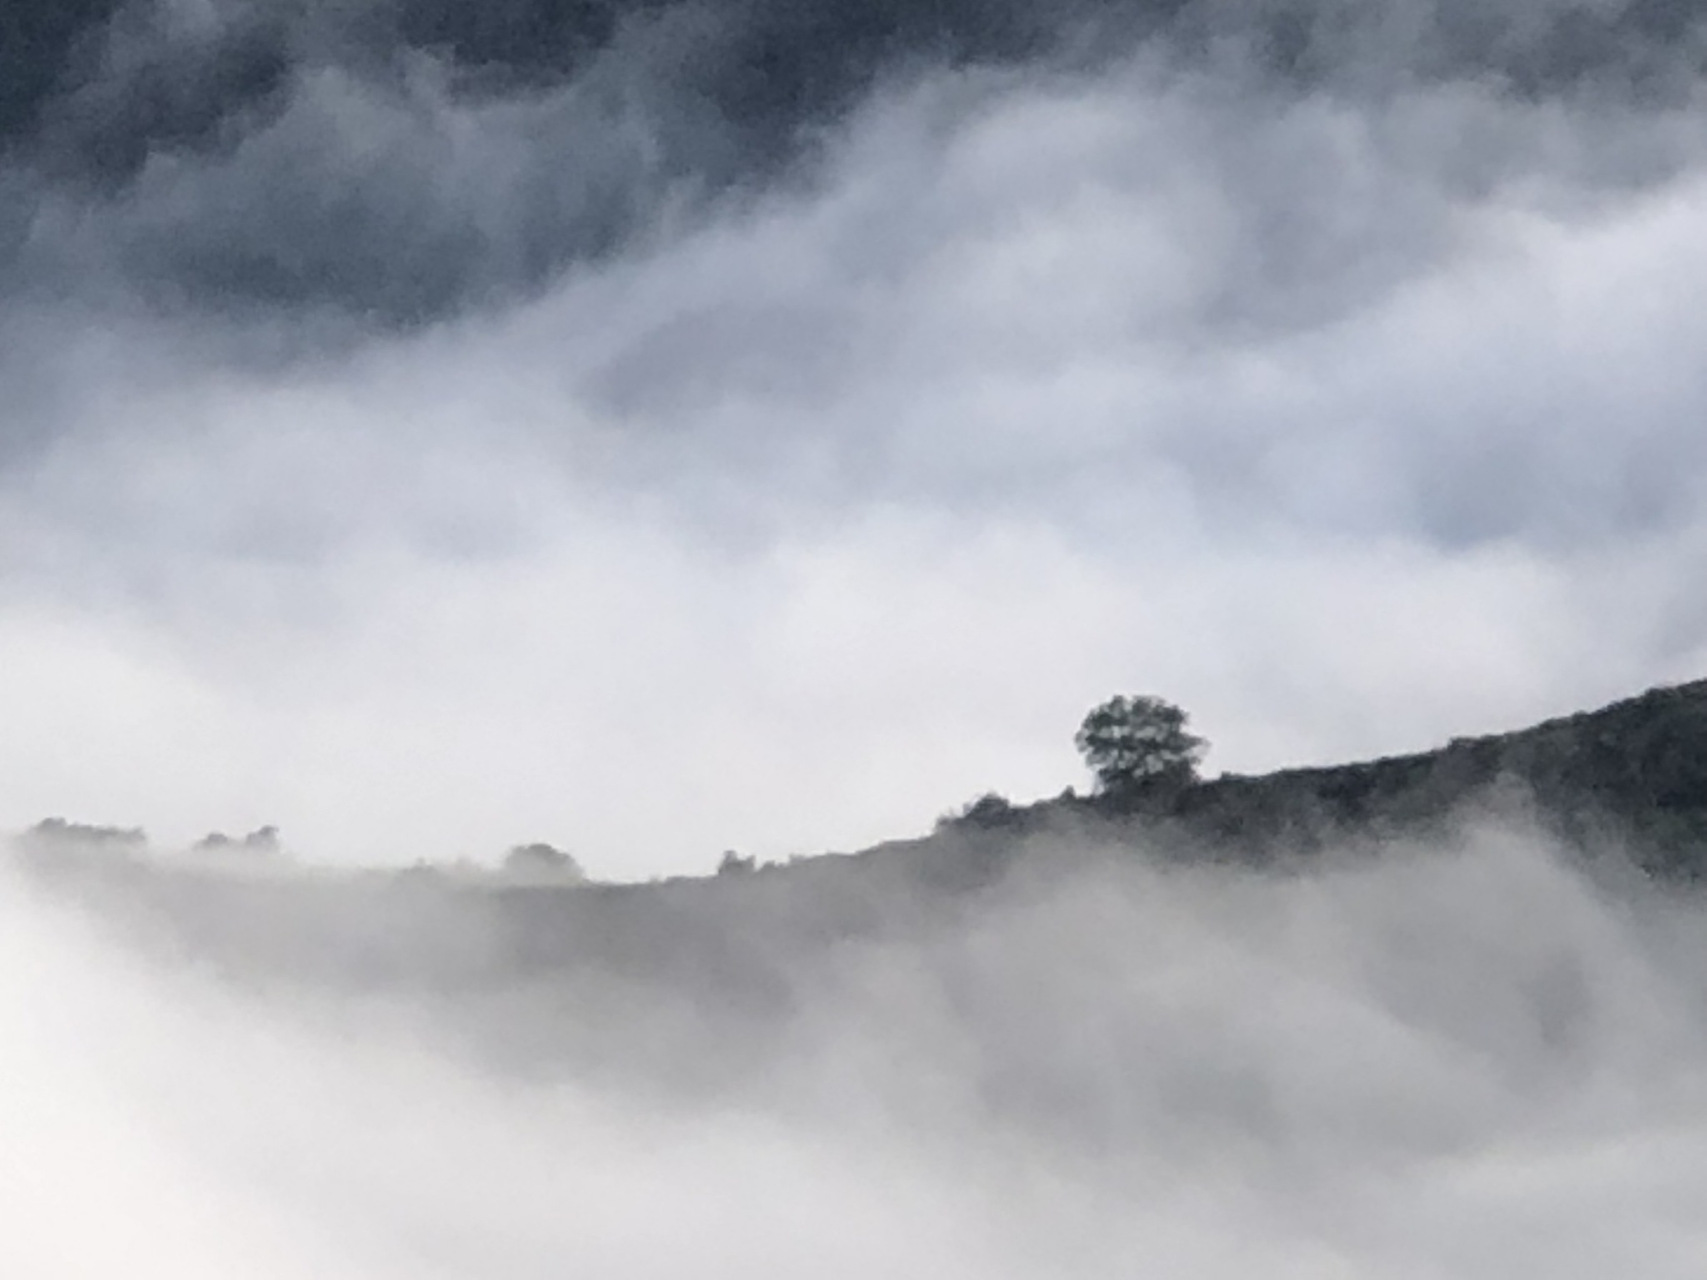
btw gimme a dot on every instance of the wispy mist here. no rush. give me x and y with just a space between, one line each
1464 1059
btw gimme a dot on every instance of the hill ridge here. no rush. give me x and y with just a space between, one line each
1636 767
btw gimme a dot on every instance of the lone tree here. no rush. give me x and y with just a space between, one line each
1135 742
542 862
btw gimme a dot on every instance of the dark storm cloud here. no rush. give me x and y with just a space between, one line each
402 160
399 161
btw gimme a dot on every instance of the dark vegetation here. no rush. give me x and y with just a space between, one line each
263 840
53 835
543 860
1634 772
1138 743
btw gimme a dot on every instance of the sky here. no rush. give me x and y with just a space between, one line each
657 428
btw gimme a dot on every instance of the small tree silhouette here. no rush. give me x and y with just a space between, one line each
264 840
1135 742
542 861
58 833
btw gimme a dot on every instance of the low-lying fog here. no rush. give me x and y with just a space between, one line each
1471 1060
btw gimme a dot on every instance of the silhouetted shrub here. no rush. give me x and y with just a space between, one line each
57 832
733 864
542 861
988 811
262 840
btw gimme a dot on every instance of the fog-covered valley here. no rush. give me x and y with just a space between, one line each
1473 1056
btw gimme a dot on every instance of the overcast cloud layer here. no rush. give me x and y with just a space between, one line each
663 427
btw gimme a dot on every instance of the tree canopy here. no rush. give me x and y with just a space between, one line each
541 861
1134 741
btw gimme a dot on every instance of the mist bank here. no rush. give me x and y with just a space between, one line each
1470 1054
697 991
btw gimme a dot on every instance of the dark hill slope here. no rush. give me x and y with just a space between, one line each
1635 771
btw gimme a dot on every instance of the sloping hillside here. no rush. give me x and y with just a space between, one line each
1635 771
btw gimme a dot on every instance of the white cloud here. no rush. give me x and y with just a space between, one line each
1465 1059
1349 426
